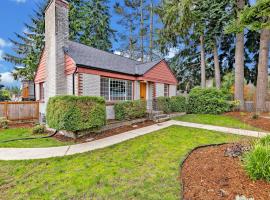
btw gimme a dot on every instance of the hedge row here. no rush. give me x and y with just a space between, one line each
208 101
73 113
126 110
171 104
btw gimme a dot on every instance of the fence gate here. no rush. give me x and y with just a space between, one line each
23 110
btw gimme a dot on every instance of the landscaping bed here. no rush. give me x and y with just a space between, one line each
208 173
262 122
106 133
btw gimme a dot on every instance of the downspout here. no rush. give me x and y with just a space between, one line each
73 80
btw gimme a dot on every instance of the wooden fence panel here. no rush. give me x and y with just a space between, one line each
24 110
250 107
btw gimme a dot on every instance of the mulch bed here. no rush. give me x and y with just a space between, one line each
208 174
262 122
104 134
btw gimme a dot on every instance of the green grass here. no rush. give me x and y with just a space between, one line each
146 167
15 133
218 120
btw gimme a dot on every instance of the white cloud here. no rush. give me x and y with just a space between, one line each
1 55
4 43
7 78
19 1
172 52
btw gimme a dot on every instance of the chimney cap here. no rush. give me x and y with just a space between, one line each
59 2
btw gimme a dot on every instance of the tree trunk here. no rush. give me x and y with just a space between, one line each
239 63
151 31
142 32
203 78
239 70
217 69
262 78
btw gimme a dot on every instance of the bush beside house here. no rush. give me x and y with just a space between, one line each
208 101
171 104
73 113
127 110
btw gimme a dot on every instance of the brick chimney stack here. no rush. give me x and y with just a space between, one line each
56 38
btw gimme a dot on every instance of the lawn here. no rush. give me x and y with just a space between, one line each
218 120
146 167
15 133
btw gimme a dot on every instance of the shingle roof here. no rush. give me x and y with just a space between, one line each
94 58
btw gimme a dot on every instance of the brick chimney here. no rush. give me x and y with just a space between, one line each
56 38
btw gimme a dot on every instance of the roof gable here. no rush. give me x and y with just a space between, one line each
161 72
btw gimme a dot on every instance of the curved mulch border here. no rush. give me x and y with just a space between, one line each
187 156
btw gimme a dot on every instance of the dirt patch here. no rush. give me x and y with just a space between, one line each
262 122
104 134
208 174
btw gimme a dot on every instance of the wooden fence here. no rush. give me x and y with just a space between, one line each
23 110
250 107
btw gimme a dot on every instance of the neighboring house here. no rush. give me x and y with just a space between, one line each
72 68
28 90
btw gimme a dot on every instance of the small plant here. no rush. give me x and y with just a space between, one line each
255 116
39 129
257 161
4 123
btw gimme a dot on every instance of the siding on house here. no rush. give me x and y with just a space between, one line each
160 73
159 89
70 84
172 90
70 65
137 95
90 85
41 70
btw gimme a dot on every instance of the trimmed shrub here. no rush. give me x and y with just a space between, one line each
178 104
207 101
126 110
163 104
4 123
257 161
39 129
73 113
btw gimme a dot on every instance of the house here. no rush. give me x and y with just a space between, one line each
68 67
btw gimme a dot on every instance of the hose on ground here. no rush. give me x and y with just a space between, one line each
30 138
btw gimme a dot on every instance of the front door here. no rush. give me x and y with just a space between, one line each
143 90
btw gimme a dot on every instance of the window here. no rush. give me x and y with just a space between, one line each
41 91
166 90
115 89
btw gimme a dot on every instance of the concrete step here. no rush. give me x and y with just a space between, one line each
162 119
160 116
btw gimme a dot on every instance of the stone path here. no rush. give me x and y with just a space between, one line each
39 153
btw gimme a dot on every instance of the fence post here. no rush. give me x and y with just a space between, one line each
6 110
37 110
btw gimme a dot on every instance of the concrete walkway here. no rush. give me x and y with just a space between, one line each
39 153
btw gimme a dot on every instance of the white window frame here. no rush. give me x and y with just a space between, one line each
126 88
